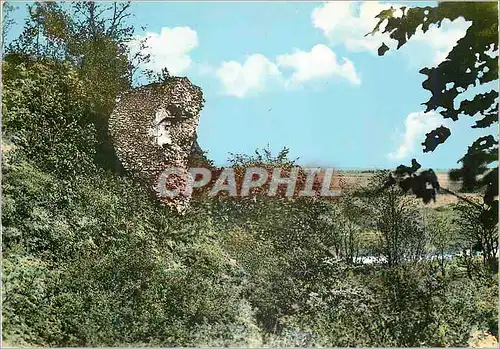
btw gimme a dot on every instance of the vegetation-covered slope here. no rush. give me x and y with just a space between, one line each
91 259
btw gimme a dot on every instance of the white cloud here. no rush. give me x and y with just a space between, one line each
242 79
346 23
258 71
320 62
170 48
436 43
416 126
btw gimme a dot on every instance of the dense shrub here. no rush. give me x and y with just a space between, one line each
90 259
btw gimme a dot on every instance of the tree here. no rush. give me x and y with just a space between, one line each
402 236
443 239
479 232
7 20
347 223
472 62
44 115
93 38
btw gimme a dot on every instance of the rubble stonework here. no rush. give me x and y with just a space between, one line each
154 126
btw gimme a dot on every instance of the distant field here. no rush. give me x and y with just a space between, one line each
362 176
353 176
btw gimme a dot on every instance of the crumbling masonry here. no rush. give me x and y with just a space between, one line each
154 126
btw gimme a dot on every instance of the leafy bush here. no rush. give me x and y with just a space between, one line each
90 259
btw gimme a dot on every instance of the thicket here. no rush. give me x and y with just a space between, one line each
90 259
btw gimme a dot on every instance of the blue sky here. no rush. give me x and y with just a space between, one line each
302 75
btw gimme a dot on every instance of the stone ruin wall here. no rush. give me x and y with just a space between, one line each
154 126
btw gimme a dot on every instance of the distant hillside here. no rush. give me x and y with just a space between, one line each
363 175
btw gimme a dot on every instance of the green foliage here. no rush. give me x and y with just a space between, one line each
108 265
261 157
407 306
93 261
479 231
399 222
443 236
90 259
44 108
470 63
92 38
7 21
